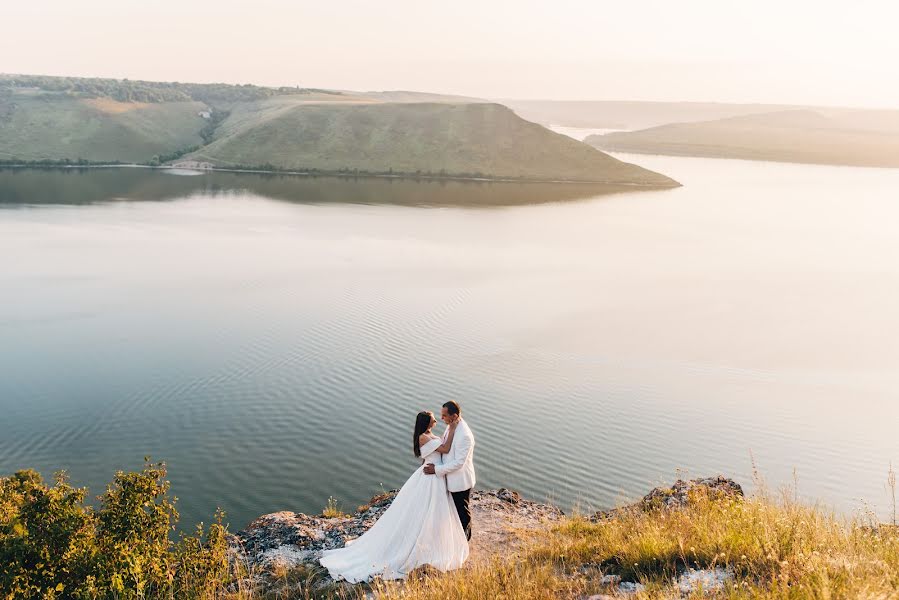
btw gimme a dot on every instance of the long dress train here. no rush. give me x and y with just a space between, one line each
420 527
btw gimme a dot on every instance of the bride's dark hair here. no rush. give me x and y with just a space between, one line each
422 422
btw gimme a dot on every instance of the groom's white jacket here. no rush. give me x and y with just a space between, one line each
458 463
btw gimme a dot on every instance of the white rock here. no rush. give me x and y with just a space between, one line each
288 556
629 587
711 580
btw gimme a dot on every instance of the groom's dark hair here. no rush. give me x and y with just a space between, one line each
452 407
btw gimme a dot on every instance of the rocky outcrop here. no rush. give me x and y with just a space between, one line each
286 540
678 495
291 539
295 538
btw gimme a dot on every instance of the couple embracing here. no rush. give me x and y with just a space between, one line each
429 521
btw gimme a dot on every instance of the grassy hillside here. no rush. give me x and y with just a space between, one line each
104 120
857 138
37 125
410 138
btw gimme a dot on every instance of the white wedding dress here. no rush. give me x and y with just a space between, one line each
420 527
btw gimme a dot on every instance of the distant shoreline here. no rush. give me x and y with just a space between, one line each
341 175
735 156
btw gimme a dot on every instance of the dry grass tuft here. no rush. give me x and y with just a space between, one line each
332 509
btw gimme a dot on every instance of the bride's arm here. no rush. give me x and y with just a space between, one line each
445 446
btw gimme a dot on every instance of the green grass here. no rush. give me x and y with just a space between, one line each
44 125
437 139
310 132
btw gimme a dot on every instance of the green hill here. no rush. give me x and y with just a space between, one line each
44 118
37 125
842 137
473 139
65 119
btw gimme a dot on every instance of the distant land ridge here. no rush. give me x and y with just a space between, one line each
863 138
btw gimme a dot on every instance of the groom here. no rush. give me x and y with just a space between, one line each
458 463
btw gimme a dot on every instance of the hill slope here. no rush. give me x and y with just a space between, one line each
411 138
72 119
855 138
38 125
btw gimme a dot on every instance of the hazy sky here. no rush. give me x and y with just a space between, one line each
792 51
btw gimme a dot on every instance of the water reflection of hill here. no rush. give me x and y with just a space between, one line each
88 186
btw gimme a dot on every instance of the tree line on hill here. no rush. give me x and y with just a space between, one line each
127 90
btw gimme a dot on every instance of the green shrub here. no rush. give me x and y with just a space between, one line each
53 545
203 568
47 537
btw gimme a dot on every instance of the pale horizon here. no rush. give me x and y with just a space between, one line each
802 54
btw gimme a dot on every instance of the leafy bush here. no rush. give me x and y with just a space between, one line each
53 545
47 537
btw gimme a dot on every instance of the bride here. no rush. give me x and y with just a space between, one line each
420 527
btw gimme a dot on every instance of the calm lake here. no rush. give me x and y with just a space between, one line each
271 338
